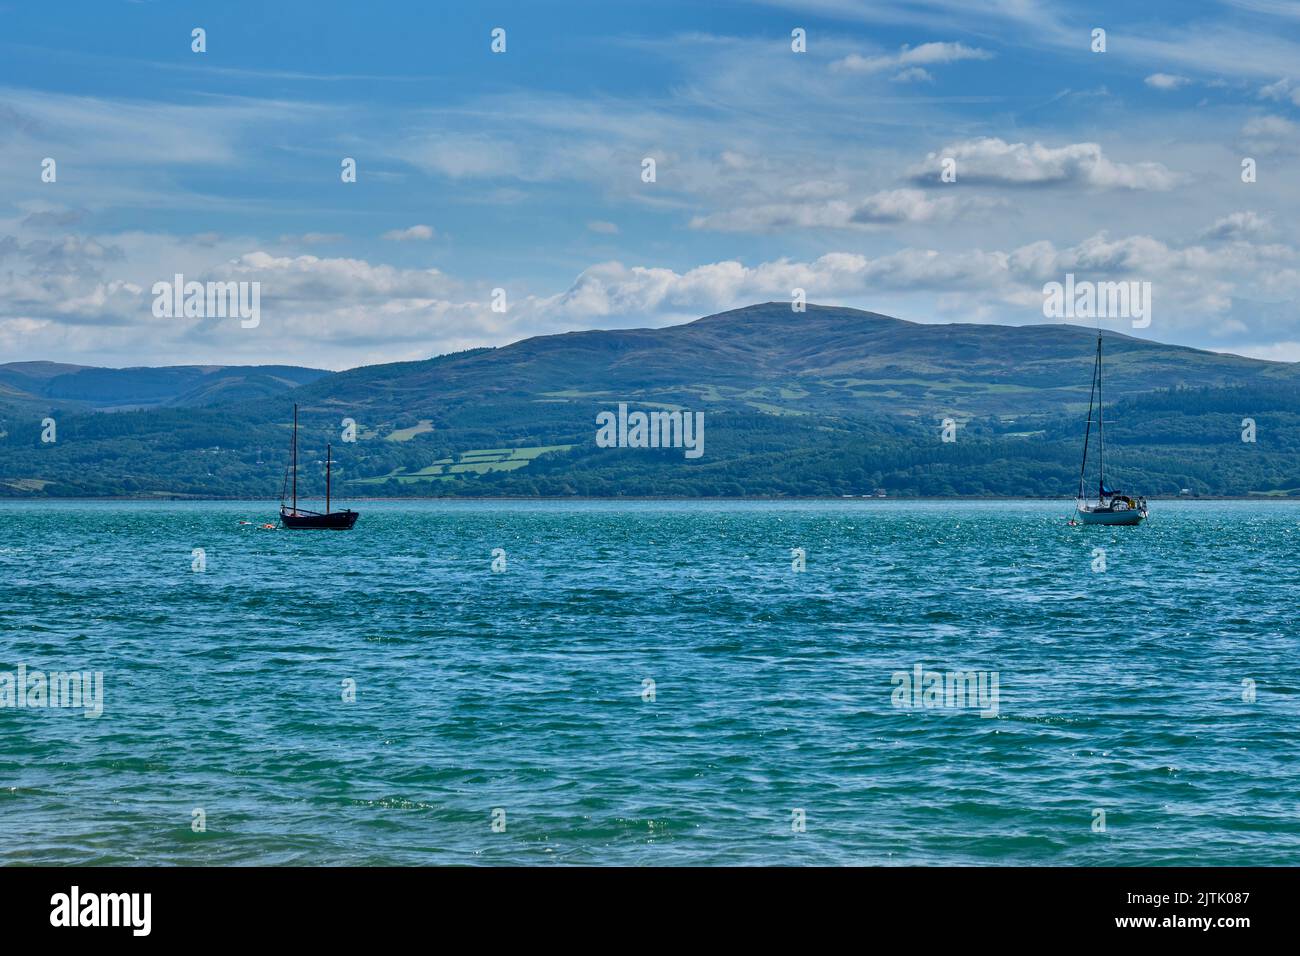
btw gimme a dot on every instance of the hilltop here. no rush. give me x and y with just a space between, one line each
829 401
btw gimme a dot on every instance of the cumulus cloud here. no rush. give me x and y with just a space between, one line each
418 233
314 279
1194 286
340 312
927 54
1166 81
612 289
1239 225
73 297
994 161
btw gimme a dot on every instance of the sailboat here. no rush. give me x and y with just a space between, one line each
1111 506
295 517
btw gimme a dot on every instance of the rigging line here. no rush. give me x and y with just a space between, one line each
1087 432
1101 422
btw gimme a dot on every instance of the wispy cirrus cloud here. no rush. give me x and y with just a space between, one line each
771 164
312 239
1284 90
1269 134
887 207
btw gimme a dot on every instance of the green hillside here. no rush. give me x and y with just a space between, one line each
829 402
83 388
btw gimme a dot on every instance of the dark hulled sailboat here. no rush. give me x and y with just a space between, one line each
295 517
1111 506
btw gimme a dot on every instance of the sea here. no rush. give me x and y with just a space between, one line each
648 683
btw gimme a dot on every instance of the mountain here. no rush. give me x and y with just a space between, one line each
831 401
827 360
45 385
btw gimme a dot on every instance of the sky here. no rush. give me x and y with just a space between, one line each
524 171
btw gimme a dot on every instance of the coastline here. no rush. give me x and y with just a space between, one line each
954 498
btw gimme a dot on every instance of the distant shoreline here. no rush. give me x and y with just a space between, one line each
345 501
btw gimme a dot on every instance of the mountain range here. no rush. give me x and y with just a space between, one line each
52 385
830 401
833 360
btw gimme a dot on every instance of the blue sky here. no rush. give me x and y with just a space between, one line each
522 170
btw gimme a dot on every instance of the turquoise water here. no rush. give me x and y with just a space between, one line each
1119 690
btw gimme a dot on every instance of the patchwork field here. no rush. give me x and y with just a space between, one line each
424 426
479 461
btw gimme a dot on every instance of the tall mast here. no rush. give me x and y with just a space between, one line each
1101 426
328 461
295 457
1087 430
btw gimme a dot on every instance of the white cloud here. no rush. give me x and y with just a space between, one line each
314 279
995 161
417 233
1269 134
1194 288
1222 45
464 156
1272 126
71 298
887 207
1282 91
1166 81
82 298
1239 225
602 227
1276 352
913 74
927 54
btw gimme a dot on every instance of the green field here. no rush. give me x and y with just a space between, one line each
406 434
479 461
28 484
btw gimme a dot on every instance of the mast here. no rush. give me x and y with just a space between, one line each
1093 391
295 457
328 461
1101 427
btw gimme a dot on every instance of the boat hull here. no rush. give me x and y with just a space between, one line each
1129 517
334 521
